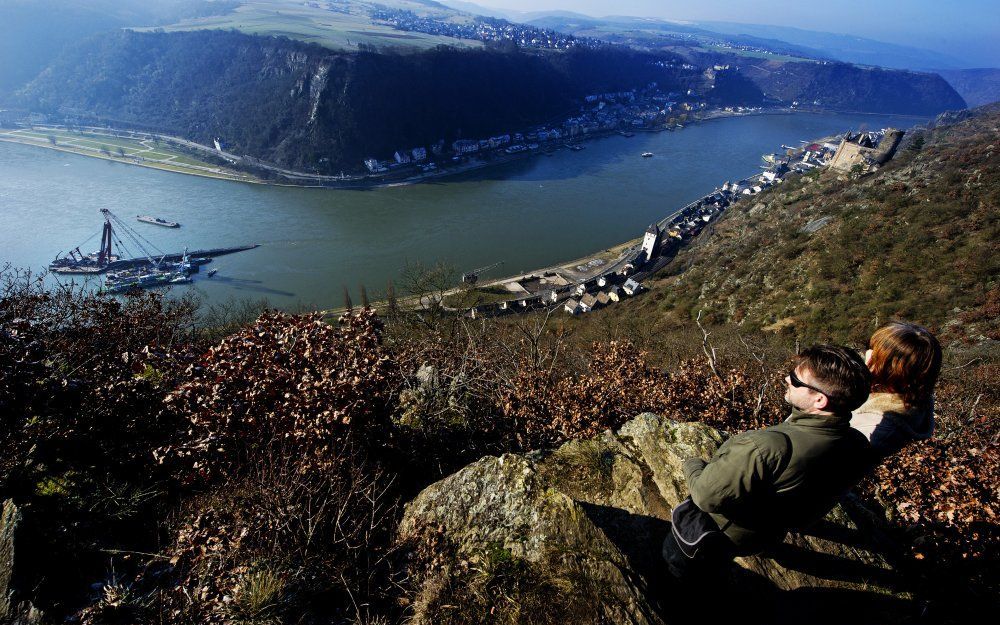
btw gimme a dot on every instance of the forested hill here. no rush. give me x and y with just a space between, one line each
295 103
843 86
822 256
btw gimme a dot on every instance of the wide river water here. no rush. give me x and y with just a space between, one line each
528 214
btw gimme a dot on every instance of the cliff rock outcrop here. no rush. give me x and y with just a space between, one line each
586 522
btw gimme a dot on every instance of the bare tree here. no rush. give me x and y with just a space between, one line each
707 347
348 306
390 296
428 284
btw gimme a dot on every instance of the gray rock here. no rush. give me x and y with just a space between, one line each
10 517
816 224
592 514
427 377
22 613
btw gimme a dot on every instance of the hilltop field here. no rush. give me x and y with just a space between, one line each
333 25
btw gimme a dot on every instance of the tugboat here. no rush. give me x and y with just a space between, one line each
156 221
647 154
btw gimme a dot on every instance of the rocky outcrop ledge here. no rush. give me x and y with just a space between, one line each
586 522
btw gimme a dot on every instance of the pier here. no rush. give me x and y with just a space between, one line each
140 262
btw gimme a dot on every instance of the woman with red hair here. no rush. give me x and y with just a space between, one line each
905 361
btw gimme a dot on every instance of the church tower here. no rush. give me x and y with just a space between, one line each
651 241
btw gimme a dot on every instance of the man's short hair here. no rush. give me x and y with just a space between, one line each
840 372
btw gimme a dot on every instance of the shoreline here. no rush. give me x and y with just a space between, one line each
221 175
366 182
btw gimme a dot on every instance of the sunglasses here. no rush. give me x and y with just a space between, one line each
797 383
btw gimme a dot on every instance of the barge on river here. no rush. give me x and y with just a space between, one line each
105 259
156 221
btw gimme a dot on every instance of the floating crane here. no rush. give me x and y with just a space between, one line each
471 277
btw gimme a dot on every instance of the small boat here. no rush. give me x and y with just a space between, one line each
627 134
212 272
647 154
156 221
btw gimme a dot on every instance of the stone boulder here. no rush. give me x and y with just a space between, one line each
584 526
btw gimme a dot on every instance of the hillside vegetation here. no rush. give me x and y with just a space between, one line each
827 256
34 32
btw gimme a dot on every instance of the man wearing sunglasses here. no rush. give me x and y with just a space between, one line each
762 483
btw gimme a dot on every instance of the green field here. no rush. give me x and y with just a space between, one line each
758 55
340 29
153 153
467 298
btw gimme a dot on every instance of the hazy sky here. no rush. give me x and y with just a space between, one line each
967 29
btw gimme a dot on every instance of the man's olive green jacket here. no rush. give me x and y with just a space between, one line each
762 483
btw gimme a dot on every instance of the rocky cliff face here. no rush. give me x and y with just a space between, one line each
576 534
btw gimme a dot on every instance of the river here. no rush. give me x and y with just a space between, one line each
528 214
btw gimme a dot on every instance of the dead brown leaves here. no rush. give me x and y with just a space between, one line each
292 381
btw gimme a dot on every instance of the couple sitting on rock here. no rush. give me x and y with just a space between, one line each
847 415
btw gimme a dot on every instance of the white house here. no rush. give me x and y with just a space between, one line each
614 294
572 306
602 281
588 302
631 287
580 289
419 154
401 157
465 146
374 166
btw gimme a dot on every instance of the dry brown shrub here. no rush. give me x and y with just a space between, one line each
619 384
291 381
945 490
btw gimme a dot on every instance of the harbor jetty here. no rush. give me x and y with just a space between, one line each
130 263
106 259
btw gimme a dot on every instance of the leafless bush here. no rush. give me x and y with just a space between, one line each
280 540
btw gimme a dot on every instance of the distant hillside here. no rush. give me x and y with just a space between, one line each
34 32
916 240
976 86
842 86
843 47
305 106
655 33
783 71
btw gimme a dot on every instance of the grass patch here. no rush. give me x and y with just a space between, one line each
478 297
